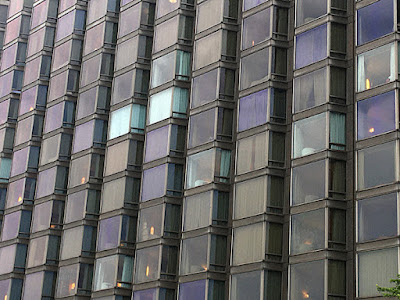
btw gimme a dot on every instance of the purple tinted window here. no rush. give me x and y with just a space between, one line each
39 14
27 102
256 28
46 182
4 111
11 226
54 117
376 115
33 286
311 46
202 128
145 295
253 110
86 103
13 28
83 136
129 20
247 4
204 88
7 258
58 86
153 185
4 287
195 290
108 233
15 193
20 161
9 56
75 207
374 21
24 130
157 144
122 87
65 25
6 83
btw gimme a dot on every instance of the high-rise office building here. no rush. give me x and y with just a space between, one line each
199 149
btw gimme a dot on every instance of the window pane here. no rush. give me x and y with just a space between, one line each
311 46
163 69
166 34
308 182
42 216
208 50
195 290
157 144
154 182
109 233
307 280
194 255
307 11
7 257
374 21
129 20
204 89
254 68
309 135
150 223
200 168
197 210
252 153
310 90
376 165
105 273
120 122
246 285
127 53
160 106
202 128
307 231
11 225
377 217
248 244
147 264
256 28
253 110
33 286
209 13
376 67
376 268
376 115
67 280
68 249
37 251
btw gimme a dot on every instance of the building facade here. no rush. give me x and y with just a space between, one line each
199 149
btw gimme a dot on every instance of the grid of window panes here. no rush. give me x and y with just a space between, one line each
258 191
318 154
376 145
45 250
16 220
151 149
156 262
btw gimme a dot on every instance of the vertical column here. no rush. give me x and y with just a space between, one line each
27 143
3 21
376 108
156 262
16 222
51 187
88 149
258 244
204 257
318 240
124 155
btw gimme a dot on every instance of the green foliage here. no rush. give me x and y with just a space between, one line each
391 291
